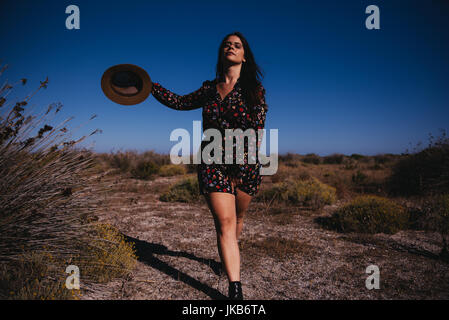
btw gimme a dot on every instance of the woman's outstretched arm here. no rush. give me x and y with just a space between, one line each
172 100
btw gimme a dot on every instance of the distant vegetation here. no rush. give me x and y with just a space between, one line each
422 172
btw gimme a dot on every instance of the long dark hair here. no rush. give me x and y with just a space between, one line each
250 74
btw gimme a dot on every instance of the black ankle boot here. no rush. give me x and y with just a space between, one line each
235 290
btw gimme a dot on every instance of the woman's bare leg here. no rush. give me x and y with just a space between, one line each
222 207
242 203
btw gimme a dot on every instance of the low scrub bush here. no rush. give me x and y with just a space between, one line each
121 161
187 190
169 170
145 170
106 256
41 274
370 214
309 192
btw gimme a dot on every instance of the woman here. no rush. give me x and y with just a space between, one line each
234 99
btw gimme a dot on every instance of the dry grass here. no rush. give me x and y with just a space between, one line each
50 191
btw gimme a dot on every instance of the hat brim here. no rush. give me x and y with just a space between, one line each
126 95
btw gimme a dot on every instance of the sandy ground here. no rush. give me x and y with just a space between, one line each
285 253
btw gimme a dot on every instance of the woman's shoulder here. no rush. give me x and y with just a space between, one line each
209 84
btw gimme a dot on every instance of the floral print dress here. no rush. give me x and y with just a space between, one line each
230 112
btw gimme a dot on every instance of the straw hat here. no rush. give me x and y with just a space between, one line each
126 84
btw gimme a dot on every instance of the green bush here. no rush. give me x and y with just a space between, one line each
309 192
121 161
278 192
187 190
370 214
313 193
145 170
169 170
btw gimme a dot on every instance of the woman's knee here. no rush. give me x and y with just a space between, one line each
226 225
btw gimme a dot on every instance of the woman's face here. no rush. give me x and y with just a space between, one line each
233 50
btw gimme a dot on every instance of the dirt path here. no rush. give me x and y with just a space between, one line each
284 255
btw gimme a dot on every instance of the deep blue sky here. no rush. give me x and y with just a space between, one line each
331 84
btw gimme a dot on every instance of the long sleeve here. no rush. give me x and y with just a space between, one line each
172 100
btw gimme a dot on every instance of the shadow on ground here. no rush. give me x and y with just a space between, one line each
145 252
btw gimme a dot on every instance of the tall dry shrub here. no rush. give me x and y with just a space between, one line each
49 191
